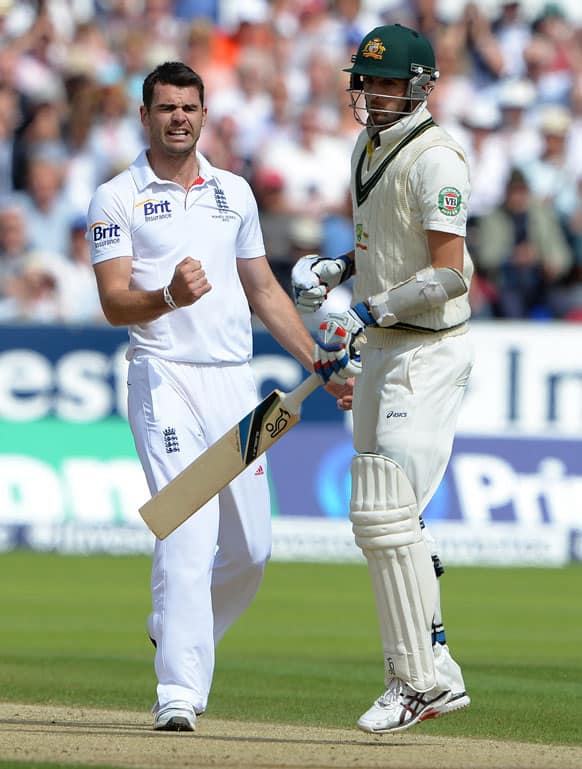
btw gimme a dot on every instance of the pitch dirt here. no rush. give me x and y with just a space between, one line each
124 739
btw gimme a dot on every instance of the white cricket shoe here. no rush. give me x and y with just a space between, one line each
401 707
176 716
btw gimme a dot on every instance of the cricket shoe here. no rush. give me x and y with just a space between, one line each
176 716
156 709
401 707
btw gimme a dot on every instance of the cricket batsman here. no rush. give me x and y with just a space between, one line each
410 188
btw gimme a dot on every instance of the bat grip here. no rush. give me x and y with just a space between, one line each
295 398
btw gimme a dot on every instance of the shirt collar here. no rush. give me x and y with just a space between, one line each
144 176
394 133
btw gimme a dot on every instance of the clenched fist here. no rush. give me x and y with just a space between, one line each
189 282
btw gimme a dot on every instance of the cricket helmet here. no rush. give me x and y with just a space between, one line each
396 52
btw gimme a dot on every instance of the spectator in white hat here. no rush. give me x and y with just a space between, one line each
550 176
487 158
519 135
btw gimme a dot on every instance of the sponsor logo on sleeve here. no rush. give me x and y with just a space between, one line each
450 200
105 234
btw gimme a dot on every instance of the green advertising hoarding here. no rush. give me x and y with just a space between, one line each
55 472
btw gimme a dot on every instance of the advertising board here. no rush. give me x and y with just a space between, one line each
70 479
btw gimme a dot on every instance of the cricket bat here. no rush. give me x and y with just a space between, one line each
216 467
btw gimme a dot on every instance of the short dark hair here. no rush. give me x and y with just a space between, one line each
517 178
171 73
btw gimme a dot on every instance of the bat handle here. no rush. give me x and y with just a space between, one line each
295 398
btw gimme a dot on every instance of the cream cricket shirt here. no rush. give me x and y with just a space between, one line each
158 224
417 179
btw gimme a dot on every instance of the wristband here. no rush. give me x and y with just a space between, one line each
168 299
348 269
364 314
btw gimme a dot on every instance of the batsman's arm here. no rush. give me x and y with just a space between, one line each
426 289
446 249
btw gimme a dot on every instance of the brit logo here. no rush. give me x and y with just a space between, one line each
105 233
171 440
450 200
153 209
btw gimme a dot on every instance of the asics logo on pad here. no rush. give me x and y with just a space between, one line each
396 414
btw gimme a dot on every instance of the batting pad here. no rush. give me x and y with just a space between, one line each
384 514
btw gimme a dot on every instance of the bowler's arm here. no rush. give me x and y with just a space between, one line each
124 306
274 308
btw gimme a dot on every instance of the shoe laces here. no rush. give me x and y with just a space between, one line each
392 695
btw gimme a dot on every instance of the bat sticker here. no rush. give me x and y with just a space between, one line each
276 428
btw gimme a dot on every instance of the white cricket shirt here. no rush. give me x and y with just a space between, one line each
158 223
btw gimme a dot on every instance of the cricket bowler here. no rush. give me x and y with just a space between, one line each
179 258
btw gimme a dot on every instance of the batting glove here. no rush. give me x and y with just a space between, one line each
313 277
336 357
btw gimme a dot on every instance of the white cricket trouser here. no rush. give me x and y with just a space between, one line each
407 400
206 572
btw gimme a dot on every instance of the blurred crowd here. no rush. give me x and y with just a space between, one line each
510 91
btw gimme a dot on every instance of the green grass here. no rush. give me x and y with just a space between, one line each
72 631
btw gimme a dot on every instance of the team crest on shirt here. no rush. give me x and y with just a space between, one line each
220 199
374 49
224 213
171 440
361 236
450 200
